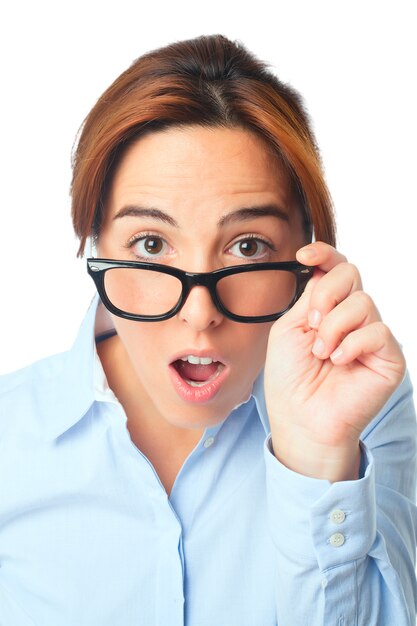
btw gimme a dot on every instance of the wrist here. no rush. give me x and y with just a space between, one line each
318 460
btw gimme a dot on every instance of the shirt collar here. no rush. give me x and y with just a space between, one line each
75 395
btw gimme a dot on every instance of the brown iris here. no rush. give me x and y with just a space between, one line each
153 245
248 247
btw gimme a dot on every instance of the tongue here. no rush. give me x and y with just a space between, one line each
196 372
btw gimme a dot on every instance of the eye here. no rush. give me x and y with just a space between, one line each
251 248
147 246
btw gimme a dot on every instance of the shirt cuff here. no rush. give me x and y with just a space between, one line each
331 523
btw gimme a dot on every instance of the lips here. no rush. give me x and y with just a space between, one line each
198 377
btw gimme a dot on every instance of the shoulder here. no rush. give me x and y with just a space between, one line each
27 391
42 371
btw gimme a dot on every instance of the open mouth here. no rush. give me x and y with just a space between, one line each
198 379
197 371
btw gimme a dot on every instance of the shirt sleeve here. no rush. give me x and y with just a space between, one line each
346 551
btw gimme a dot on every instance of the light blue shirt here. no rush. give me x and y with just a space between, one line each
89 537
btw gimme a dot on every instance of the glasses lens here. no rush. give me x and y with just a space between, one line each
141 292
259 293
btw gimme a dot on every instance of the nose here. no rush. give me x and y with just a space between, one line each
199 311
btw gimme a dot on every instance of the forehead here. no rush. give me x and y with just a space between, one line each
195 167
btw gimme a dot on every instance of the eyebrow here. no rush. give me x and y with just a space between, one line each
240 215
138 211
249 213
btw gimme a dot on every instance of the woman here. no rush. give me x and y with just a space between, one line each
221 446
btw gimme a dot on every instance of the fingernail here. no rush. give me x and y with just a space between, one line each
314 318
337 355
318 347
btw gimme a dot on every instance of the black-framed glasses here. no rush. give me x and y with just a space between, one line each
150 292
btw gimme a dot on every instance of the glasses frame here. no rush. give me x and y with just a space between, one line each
98 267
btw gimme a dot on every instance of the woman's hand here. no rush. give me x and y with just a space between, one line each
331 365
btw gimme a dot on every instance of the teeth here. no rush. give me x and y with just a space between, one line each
195 360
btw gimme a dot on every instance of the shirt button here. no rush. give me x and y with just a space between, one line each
337 540
323 583
337 516
209 442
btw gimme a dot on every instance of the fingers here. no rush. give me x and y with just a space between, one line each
355 312
338 279
347 322
334 287
333 281
320 254
370 344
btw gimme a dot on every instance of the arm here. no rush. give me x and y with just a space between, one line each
332 365
369 580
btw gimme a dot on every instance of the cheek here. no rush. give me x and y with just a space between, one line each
142 341
251 343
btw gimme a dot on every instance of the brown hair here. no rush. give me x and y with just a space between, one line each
209 81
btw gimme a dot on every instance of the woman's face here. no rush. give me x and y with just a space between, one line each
177 198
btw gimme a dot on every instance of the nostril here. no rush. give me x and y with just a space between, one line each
199 310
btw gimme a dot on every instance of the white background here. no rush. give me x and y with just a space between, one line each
353 62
